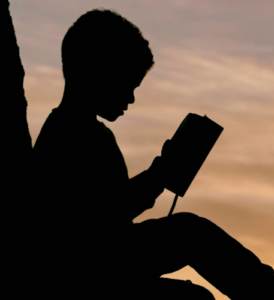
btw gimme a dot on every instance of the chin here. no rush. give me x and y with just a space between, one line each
110 117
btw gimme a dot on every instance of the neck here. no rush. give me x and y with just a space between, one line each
73 103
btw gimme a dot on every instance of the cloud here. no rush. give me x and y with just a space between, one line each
235 93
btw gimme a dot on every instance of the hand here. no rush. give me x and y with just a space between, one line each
166 149
158 169
156 172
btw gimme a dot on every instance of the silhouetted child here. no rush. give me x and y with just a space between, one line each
88 201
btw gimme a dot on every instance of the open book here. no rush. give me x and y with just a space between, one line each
191 144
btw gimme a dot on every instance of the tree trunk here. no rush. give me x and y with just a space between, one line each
15 138
16 150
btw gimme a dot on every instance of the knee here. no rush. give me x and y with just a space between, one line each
189 223
185 219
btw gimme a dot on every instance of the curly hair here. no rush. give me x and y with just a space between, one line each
102 39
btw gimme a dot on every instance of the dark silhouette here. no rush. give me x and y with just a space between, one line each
16 141
90 202
82 239
16 150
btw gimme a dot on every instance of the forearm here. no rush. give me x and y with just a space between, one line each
142 191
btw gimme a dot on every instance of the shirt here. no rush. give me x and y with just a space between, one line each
84 202
81 176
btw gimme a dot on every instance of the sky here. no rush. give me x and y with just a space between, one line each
211 57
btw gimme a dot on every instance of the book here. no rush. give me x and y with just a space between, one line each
191 144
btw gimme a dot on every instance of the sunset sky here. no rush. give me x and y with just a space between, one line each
211 57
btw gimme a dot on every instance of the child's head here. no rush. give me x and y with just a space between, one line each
105 57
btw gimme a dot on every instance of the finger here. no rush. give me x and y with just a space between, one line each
166 147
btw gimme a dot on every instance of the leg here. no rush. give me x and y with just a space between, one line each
165 245
166 288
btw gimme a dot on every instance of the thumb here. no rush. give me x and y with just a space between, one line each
166 149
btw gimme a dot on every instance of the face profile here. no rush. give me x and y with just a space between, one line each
118 93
